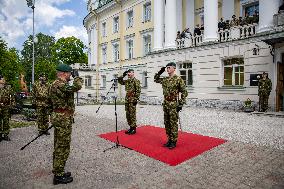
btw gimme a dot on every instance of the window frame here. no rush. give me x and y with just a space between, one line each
116 52
128 50
88 81
182 67
104 29
130 20
104 54
234 71
147 14
116 24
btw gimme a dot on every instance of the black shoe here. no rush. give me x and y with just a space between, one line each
6 137
62 180
167 144
67 174
131 131
172 145
46 133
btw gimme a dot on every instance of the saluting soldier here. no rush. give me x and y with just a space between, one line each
7 100
41 103
62 98
264 89
133 90
173 86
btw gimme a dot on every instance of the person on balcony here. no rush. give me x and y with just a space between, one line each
255 17
197 30
234 22
241 21
221 24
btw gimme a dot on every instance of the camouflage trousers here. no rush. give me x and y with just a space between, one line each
263 102
4 121
42 118
130 110
171 120
62 139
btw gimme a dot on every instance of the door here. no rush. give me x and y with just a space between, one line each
280 86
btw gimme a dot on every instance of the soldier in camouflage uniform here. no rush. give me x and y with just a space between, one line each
264 89
41 103
62 98
173 86
133 90
7 100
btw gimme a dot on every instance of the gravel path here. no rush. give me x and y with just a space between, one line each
252 158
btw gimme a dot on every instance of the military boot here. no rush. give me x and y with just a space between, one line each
6 137
131 131
67 174
62 179
167 144
172 145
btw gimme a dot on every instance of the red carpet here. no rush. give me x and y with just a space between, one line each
149 140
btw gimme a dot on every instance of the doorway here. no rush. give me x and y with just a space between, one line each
280 86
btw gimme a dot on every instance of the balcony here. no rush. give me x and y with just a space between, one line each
234 33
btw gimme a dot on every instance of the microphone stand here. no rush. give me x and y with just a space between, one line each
117 144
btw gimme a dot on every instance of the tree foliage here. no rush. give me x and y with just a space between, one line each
69 50
43 56
10 65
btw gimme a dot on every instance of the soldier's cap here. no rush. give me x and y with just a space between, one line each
264 73
63 68
171 64
130 70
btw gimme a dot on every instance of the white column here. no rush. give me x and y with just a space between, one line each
210 20
179 15
190 15
170 24
159 7
228 9
95 44
266 11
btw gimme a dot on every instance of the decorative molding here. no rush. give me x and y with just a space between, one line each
115 40
129 36
146 30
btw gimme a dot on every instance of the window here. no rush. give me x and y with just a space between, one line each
147 44
88 81
129 19
115 52
234 72
104 29
251 9
115 76
185 70
129 50
104 54
144 79
115 24
103 81
147 12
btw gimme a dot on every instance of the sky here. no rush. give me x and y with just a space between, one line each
58 18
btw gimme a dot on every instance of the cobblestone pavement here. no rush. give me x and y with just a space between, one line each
252 158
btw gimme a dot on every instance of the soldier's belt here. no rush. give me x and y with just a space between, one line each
170 98
130 94
65 111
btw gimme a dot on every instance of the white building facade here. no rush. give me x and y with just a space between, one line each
219 66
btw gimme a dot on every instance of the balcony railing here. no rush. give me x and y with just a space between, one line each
83 67
234 33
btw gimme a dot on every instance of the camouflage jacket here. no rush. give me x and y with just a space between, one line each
172 86
132 88
7 98
264 87
61 94
40 94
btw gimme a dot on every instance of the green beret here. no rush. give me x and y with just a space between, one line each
63 68
130 70
171 64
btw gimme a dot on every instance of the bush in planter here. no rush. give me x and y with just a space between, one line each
248 106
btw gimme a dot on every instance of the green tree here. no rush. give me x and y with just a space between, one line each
69 50
10 65
43 55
